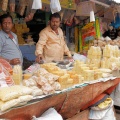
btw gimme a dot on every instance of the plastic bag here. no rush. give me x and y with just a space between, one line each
55 6
12 5
37 4
21 7
50 114
79 57
5 77
106 114
4 5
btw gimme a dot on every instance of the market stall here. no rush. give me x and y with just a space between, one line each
71 87
68 103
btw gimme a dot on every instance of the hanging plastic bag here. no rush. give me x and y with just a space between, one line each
55 6
4 5
12 5
29 12
21 7
37 4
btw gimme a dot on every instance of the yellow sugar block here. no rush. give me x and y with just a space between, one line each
71 73
59 73
76 78
70 81
63 79
88 75
83 65
27 76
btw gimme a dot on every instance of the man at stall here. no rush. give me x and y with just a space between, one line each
51 45
9 49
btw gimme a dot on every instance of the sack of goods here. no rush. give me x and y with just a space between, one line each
102 110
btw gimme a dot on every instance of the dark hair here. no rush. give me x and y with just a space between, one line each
5 16
56 15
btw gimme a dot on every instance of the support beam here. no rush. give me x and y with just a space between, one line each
100 3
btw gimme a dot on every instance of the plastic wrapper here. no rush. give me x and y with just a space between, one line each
12 5
4 5
21 7
6 65
37 4
55 6
47 89
41 80
29 12
30 82
9 104
8 93
32 68
5 76
79 57
23 90
37 92
51 78
40 71
56 86
25 98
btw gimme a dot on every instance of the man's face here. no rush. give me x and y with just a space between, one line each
7 24
55 23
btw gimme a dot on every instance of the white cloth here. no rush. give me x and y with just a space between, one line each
50 114
37 4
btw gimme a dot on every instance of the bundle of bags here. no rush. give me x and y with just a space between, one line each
42 82
14 96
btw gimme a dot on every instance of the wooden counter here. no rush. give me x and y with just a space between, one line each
68 103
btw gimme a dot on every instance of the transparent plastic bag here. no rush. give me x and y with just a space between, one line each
5 77
79 57
12 5
55 6
37 4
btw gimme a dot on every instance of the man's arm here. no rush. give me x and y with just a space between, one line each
40 45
